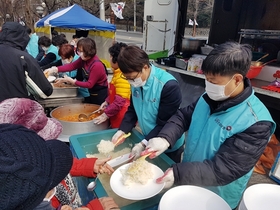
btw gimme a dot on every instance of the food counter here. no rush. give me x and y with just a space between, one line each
85 144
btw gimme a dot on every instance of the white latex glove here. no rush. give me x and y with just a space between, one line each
137 149
168 178
66 79
117 135
51 71
103 105
100 119
156 145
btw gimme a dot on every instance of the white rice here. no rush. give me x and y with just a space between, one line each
111 154
105 146
139 171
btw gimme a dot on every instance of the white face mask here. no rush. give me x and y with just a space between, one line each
65 61
81 54
138 82
45 49
217 92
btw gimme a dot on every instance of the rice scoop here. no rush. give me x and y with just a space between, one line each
139 171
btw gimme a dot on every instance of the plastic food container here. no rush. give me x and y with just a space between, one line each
83 144
254 71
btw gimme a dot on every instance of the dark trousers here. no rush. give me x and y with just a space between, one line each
97 97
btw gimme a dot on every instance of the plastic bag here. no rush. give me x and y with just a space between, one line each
268 157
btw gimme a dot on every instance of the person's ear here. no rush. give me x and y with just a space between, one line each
238 79
146 67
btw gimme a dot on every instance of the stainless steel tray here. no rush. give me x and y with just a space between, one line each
63 92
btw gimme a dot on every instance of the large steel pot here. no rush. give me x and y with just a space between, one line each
71 128
192 46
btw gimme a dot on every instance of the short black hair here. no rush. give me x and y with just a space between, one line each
228 59
75 37
54 33
59 40
45 41
115 49
28 30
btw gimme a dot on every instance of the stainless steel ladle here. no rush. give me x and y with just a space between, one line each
84 117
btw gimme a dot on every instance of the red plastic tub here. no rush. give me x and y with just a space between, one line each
254 71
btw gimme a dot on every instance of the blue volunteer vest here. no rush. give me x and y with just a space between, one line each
53 49
146 102
206 134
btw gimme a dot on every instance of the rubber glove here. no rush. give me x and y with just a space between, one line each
168 178
51 71
156 145
103 105
137 149
69 80
100 119
117 135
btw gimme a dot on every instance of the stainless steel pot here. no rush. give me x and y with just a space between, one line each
71 128
192 45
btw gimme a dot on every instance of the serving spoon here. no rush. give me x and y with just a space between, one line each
92 185
84 117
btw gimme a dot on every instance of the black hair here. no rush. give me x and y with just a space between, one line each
54 33
28 30
132 59
59 40
75 37
228 59
45 41
114 50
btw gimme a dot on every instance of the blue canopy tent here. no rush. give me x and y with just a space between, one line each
75 17
68 20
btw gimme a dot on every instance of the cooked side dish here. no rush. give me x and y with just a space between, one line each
75 117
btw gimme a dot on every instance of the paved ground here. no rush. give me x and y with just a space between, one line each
259 178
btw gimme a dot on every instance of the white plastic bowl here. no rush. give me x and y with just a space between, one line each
191 197
261 197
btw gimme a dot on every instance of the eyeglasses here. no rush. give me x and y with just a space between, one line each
124 77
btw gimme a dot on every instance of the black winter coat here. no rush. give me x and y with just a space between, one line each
14 61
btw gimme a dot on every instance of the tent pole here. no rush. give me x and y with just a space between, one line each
102 9
134 10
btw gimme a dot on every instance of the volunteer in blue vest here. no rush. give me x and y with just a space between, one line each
228 128
155 97
51 51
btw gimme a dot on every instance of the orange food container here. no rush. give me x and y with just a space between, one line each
254 71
